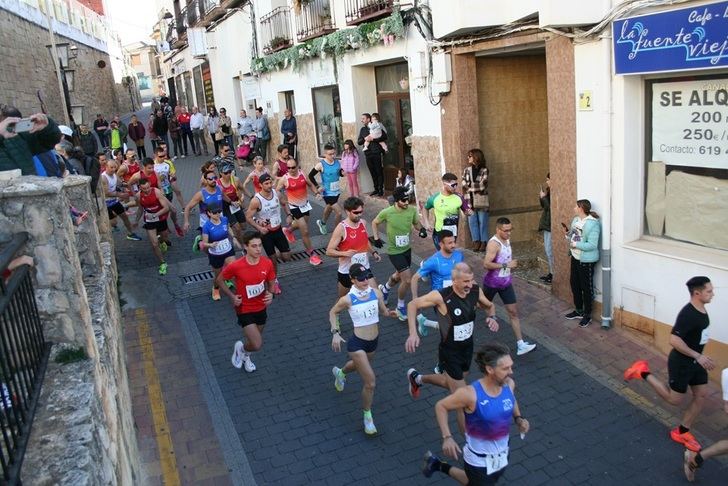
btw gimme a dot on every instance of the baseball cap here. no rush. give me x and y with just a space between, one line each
228 168
265 177
357 270
66 130
399 194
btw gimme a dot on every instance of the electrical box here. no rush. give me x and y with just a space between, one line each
441 72
418 69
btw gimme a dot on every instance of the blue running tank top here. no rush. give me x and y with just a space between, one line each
487 428
207 199
330 177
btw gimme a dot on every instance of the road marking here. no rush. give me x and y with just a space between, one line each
167 458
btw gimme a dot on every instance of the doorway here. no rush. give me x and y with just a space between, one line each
395 110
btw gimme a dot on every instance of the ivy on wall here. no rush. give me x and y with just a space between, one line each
335 44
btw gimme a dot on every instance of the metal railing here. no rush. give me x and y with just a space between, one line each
191 13
358 11
23 359
315 19
275 29
207 5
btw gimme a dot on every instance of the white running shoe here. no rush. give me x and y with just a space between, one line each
369 427
524 348
249 365
339 378
238 352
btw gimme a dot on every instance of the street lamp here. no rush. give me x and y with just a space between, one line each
66 77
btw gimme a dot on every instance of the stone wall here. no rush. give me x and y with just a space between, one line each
83 431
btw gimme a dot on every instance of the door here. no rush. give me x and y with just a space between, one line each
394 107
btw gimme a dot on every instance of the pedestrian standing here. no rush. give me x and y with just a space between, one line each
405 181
185 130
197 125
137 134
373 155
350 165
213 126
544 224
289 131
583 238
245 124
161 127
153 137
100 127
88 142
113 133
475 185
262 133
175 133
225 127
123 129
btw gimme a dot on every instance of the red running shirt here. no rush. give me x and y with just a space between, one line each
250 282
150 203
297 190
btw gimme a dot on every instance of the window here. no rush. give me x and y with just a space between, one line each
136 59
327 113
687 164
290 101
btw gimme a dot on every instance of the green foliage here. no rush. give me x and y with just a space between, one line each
71 355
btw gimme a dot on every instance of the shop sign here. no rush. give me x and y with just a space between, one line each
676 40
207 83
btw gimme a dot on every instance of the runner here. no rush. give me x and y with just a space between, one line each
497 280
254 277
281 165
264 213
489 405
364 304
166 177
231 187
254 176
686 363
293 188
217 241
455 307
204 168
693 460
209 194
350 244
331 172
447 205
155 208
400 219
126 171
109 181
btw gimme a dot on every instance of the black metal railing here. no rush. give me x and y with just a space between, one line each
358 11
23 359
315 19
191 13
208 5
275 30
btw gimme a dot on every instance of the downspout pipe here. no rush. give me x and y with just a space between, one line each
606 253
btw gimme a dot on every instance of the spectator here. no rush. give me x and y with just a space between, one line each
350 166
244 150
225 157
14 264
245 124
583 238
123 130
405 180
262 133
225 127
176 136
289 130
137 133
75 140
197 125
375 132
156 105
74 165
184 119
114 135
213 124
87 141
544 225
24 151
161 127
66 133
100 127
150 130
373 155
475 186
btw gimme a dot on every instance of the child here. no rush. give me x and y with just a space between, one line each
244 149
375 130
258 170
350 164
405 180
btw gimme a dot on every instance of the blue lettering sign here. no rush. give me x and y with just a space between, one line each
677 40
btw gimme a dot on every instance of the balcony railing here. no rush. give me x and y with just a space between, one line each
177 32
276 30
314 20
191 13
358 11
23 359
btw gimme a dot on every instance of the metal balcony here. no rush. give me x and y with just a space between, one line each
275 29
315 19
358 11
177 34
191 13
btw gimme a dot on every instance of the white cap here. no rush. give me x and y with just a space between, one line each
66 130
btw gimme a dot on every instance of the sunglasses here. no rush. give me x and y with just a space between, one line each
451 184
211 178
227 172
217 211
357 212
362 278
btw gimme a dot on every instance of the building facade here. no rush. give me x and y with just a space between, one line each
142 58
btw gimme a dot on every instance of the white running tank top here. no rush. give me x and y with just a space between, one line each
270 210
111 181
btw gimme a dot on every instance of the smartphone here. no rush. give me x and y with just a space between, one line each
566 228
24 125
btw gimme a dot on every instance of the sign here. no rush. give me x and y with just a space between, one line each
585 101
207 83
676 40
251 88
690 123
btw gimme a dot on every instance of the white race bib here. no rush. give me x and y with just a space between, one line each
504 272
150 217
463 332
402 240
254 290
704 336
334 186
222 247
234 209
496 462
275 220
453 228
303 209
446 284
361 258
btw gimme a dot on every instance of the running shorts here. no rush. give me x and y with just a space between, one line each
249 318
233 218
455 361
478 476
298 214
356 343
159 226
402 261
275 239
507 295
218 261
684 371
115 209
331 200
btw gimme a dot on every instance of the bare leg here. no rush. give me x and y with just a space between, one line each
669 395
404 283
361 363
515 321
718 449
700 392
152 234
253 338
127 223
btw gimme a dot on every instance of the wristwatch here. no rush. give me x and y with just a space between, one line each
504 266
335 331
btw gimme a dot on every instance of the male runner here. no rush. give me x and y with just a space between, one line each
209 194
217 241
686 364
232 188
331 172
364 304
497 280
109 181
350 244
296 196
127 170
254 278
455 307
447 205
489 405
155 208
166 179
400 219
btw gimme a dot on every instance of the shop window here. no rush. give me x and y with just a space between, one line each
327 113
687 160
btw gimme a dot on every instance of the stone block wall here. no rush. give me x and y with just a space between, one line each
83 431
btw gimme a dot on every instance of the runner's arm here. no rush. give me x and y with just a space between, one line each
432 299
414 283
253 208
375 230
522 423
490 253
166 205
312 174
191 204
462 399
342 304
336 238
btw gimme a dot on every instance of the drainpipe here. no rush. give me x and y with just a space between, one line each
606 254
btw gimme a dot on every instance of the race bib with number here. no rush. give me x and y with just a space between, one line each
463 331
402 240
151 217
222 247
303 209
234 209
496 462
334 186
254 290
453 228
275 220
361 258
504 272
704 337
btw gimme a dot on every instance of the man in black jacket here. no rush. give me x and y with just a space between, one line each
373 155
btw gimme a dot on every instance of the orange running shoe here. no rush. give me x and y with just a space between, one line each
635 371
215 293
289 234
315 260
687 439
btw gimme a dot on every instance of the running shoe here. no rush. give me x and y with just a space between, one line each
430 464
289 234
277 288
421 328
585 321
414 387
402 313
438 369
524 348
133 237
196 244
179 231
574 315
321 226
315 260
163 246
689 465
339 378
384 291
687 439
163 269
238 352
369 427
215 293
249 365
635 371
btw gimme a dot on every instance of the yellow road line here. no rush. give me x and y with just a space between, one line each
167 458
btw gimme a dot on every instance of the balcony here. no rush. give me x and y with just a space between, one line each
358 11
177 35
275 29
314 20
213 10
190 14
